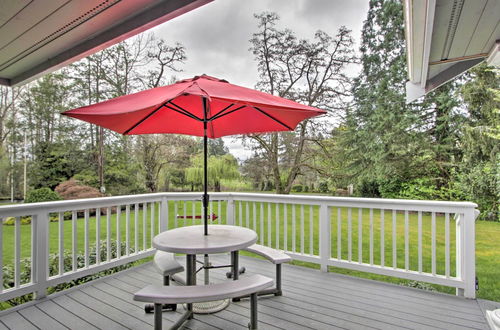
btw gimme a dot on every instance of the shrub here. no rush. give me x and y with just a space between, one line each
306 188
297 188
42 195
11 221
73 189
323 187
25 266
368 188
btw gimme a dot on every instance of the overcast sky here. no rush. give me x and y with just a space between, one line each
216 35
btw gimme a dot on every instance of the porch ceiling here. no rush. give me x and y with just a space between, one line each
447 37
37 37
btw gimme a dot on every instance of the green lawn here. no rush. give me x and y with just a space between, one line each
487 234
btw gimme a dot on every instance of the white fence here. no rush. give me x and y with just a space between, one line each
417 240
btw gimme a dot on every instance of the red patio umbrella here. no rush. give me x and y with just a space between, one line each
201 106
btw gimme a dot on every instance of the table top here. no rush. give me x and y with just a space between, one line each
191 240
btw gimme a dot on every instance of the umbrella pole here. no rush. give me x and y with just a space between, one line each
205 168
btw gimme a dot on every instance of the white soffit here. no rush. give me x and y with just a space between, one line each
37 37
445 38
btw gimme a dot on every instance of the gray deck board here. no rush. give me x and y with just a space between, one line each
40 319
311 300
64 317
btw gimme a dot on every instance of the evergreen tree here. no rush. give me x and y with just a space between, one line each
378 139
479 174
392 145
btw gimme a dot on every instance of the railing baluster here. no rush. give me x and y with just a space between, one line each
407 240
118 231
339 233
127 229
152 220
247 214
447 244
360 235
211 205
382 237
349 234
136 227
17 252
285 227
74 218
261 234
184 209
240 213
86 237
98 235
311 230
144 224
254 216
108 234
176 211
302 228
193 210
294 232
371 236
61 242
219 213
419 241
394 247
277 243
269 225
433 243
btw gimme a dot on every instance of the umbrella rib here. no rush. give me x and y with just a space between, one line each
227 113
218 113
184 111
276 120
143 119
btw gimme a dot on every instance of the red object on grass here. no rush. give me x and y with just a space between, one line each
180 108
212 216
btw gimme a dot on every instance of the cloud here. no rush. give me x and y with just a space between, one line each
217 35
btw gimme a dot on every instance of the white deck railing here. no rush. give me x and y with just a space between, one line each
413 240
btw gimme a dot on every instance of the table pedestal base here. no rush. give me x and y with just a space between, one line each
210 306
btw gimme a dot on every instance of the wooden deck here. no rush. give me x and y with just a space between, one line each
312 300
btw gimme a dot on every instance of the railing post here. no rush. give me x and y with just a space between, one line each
467 254
324 237
164 215
41 223
230 211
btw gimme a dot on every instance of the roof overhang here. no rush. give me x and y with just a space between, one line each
445 38
37 37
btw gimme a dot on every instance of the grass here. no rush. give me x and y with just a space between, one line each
265 215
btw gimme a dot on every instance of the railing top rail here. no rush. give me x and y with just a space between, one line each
351 200
93 202
116 200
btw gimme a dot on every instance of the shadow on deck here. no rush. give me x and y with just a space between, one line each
311 300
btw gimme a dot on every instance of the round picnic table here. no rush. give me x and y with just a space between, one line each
191 241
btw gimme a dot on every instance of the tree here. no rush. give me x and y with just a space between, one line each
219 168
479 175
216 147
307 71
163 59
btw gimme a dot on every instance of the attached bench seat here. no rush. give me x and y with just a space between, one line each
167 266
203 293
276 257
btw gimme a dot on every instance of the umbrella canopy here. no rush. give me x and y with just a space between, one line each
182 108
200 106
